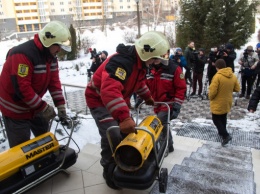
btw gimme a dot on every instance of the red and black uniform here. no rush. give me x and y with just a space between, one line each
167 84
29 71
108 93
112 85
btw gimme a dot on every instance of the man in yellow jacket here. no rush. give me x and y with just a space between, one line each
221 89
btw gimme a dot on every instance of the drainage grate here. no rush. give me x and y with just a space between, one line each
209 133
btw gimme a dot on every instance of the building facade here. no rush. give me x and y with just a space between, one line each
23 16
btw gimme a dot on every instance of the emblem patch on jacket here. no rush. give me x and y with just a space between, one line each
182 76
23 70
120 73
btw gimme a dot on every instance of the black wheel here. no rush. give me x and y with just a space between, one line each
163 180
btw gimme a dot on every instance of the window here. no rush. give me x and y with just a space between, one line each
62 10
36 27
63 17
21 28
52 3
121 7
61 3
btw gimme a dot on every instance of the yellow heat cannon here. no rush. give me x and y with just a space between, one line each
13 159
30 163
131 153
139 156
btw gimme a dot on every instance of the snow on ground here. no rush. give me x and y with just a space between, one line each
87 131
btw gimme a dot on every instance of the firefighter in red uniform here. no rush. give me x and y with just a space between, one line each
167 84
29 71
109 91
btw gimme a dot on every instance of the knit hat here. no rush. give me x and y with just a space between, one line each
249 48
201 49
229 46
105 52
258 45
178 49
220 63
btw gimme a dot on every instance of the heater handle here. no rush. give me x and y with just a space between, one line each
109 137
168 128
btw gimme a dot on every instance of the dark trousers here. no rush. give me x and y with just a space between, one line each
19 130
188 74
104 120
257 79
247 83
220 121
163 116
197 77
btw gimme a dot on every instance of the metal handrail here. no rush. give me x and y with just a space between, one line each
64 85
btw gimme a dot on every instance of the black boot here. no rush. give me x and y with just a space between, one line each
225 140
108 176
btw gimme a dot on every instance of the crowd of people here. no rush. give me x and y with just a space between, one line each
145 69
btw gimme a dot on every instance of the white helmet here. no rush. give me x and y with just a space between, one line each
56 32
152 44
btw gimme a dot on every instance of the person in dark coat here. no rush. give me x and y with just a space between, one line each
97 60
189 56
254 100
227 53
257 69
211 71
198 72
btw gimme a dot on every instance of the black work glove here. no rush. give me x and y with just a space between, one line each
61 112
175 110
150 101
48 113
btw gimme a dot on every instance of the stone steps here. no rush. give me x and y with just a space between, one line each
213 169
212 180
180 186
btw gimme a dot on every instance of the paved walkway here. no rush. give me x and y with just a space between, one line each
194 108
86 174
